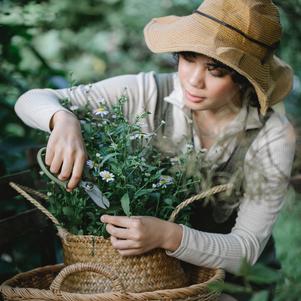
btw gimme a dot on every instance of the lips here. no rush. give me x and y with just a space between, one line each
193 98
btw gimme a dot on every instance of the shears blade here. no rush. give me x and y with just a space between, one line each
95 194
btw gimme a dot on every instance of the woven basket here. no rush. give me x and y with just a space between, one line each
149 272
152 271
45 284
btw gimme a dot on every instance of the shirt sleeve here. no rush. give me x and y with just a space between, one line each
267 167
36 107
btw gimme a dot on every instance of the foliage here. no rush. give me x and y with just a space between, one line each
130 171
43 42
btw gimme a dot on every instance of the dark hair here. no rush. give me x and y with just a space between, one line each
243 83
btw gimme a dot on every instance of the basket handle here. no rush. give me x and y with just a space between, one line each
204 194
22 191
56 284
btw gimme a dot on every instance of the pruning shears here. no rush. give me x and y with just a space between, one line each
90 188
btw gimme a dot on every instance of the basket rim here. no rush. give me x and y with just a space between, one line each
186 291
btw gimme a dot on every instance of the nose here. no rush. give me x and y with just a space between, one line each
197 77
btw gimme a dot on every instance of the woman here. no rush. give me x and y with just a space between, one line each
228 78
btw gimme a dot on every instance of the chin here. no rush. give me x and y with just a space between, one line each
194 106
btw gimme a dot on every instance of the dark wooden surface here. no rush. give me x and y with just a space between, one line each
26 226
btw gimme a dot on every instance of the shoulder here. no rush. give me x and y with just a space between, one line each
273 148
277 128
145 82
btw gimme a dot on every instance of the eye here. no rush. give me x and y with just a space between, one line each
188 58
215 71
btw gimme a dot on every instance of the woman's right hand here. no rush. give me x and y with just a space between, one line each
66 153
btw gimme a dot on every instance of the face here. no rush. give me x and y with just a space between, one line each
206 87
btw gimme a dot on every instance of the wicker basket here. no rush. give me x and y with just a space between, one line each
152 271
45 284
149 272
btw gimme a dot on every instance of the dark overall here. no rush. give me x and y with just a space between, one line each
202 218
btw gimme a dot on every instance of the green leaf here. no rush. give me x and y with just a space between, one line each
261 274
143 192
107 158
261 296
168 201
125 204
68 211
228 287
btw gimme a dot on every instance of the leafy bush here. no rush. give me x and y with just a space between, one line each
129 169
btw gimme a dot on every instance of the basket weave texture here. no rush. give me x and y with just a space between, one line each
96 271
44 284
152 271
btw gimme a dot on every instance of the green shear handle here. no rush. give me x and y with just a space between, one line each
90 188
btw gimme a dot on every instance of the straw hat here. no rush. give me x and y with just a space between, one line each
242 34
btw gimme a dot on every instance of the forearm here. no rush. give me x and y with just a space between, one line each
36 108
211 250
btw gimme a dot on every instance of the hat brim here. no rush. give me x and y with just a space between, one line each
272 80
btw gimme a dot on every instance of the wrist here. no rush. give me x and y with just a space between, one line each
61 116
173 237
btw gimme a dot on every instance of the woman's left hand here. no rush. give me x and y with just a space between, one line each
138 234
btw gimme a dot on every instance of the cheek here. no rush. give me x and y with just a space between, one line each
185 69
226 89
182 72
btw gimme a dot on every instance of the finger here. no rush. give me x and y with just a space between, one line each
56 164
120 221
120 233
77 172
49 155
124 244
131 252
66 169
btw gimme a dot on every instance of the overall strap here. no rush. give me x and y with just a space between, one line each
219 215
246 139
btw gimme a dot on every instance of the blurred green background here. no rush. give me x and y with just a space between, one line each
53 43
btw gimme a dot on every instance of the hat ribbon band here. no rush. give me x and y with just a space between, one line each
269 47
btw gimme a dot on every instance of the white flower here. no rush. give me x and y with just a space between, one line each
74 108
41 173
101 111
189 146
164 181
135 136
149 135
174 160
49 193
98 155
90 164
107 176
101 101
6 257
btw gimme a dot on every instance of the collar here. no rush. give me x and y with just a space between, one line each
176 98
